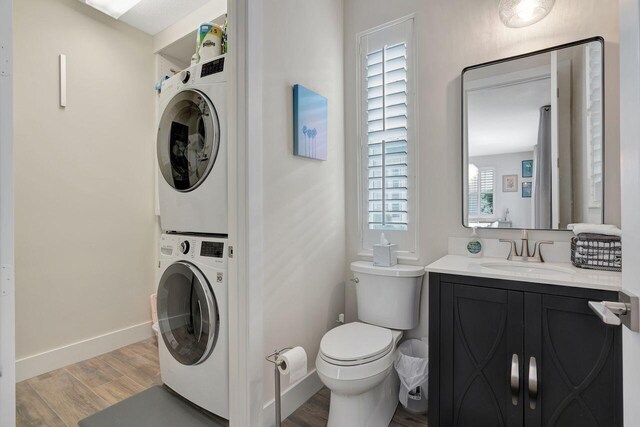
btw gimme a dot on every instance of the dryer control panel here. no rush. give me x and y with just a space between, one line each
213 67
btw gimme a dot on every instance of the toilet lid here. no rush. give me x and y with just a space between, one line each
355 342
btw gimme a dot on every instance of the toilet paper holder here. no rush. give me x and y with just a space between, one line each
277 362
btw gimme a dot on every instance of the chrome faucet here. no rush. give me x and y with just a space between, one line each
524 254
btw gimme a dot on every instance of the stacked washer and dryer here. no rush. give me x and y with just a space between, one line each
192 189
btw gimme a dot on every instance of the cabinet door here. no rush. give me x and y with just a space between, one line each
578 362
481 331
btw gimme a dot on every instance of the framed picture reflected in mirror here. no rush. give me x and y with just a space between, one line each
509 183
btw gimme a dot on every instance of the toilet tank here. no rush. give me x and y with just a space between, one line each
388 296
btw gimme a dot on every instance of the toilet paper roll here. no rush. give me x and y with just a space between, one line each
293 363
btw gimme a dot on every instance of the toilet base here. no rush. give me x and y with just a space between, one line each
373 408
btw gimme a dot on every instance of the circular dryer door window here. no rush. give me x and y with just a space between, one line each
187 314
188 140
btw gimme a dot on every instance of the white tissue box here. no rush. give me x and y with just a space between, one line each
385 255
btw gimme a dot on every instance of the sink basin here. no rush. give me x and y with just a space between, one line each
526 268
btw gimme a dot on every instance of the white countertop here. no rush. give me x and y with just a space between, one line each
567 274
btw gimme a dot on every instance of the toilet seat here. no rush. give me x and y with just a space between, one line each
356 344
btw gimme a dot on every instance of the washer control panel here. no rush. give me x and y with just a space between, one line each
205 249
212 249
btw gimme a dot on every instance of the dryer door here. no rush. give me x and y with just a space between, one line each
188 140
187 313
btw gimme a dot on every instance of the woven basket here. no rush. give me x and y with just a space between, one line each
597 252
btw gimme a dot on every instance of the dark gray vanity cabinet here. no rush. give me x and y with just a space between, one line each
516 354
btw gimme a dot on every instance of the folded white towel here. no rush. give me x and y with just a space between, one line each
595 244
598 262
598 253
599 257
604 229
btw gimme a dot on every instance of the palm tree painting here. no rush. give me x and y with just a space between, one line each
305 131
310 117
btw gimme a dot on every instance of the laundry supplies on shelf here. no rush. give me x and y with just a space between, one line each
210 41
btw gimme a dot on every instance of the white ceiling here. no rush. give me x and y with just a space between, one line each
153 16
505 119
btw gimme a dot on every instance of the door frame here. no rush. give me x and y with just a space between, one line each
7 287
245 209
630 177
246 360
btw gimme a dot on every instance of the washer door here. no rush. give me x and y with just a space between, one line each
188 140
187 313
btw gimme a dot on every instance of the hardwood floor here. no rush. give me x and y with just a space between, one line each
315 413
63 397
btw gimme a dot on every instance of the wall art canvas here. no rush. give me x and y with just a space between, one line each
527 168
310 117
510 183
527 189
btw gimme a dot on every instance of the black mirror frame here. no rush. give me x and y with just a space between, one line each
464 161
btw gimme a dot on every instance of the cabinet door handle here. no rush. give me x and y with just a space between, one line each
533 382
515 379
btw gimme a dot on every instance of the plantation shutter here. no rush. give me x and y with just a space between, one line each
486 192
387 138
473 191
481 191
594 120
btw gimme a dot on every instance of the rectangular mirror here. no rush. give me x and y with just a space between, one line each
533 148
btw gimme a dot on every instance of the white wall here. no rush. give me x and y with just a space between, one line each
452 35
84 183
304 216
509 164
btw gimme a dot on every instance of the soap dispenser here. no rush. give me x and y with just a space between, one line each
474 247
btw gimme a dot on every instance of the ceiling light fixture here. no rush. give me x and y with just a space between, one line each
113 8
520 13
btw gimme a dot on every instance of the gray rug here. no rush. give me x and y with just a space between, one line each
155 407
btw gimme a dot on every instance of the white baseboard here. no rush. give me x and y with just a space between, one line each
32 366
292 398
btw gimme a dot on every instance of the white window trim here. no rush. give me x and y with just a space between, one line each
412 136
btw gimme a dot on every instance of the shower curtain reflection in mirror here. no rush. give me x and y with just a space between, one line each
542 172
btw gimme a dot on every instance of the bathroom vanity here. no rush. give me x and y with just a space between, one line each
515 343
512 345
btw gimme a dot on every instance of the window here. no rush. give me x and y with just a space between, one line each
481 192
387 136
594 122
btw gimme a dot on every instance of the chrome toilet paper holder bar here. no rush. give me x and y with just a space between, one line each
274 358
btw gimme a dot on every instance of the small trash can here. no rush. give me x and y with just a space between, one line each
412 366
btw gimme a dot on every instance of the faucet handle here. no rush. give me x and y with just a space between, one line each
513 250
537 252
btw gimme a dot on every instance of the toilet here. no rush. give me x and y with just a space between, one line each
355 360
